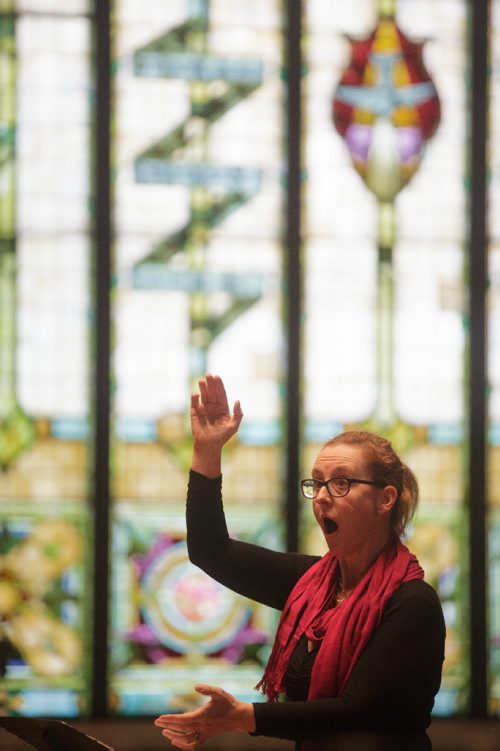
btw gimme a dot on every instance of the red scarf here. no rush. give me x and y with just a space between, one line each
344 630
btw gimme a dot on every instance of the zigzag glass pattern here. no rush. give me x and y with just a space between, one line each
198 206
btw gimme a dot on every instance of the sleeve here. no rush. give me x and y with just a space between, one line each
392 687
263 575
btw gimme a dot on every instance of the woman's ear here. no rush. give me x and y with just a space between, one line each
389 496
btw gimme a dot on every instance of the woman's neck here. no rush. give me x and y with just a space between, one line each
353 568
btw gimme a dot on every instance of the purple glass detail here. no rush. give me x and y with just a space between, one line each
234 651
410 143
142 634
359 139
143 562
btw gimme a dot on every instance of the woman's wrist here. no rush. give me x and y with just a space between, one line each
245 718
207 463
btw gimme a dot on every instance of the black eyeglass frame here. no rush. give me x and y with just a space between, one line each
325 484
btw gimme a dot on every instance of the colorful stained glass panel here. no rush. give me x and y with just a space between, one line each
198 205
45 261
384 256
173 625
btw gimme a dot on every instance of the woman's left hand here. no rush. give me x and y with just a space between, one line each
220 714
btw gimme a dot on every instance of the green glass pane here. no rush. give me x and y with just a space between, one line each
45 595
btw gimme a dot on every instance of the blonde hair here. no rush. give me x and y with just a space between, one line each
386 467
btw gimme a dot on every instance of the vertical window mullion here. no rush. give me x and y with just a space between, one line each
102 276
477 277
293 297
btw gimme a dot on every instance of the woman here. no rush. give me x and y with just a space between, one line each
359 649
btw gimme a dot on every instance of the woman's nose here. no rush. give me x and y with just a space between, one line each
324 498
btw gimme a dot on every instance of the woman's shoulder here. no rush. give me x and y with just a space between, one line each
417 595
418 588
414 615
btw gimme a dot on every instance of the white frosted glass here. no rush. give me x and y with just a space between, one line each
53 145
54 7
247 241
341 215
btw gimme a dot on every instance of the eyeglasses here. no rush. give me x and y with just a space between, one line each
337 486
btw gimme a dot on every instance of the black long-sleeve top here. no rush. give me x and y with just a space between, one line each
388 699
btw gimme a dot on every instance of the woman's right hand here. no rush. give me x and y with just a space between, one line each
212 424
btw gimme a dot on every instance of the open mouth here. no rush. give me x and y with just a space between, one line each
329 525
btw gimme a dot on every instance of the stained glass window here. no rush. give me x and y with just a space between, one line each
198 205
384 214
45 252
199 153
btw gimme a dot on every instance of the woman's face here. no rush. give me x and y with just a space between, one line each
354 521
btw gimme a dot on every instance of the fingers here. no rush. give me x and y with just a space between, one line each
206 690
218 389
212 390
202 384
188 730
197 412
178 728
218 697
178 723
211 403
186 739
237 412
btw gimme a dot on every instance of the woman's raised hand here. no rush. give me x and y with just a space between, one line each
212 424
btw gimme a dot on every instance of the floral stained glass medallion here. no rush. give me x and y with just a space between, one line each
173 625
183 607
